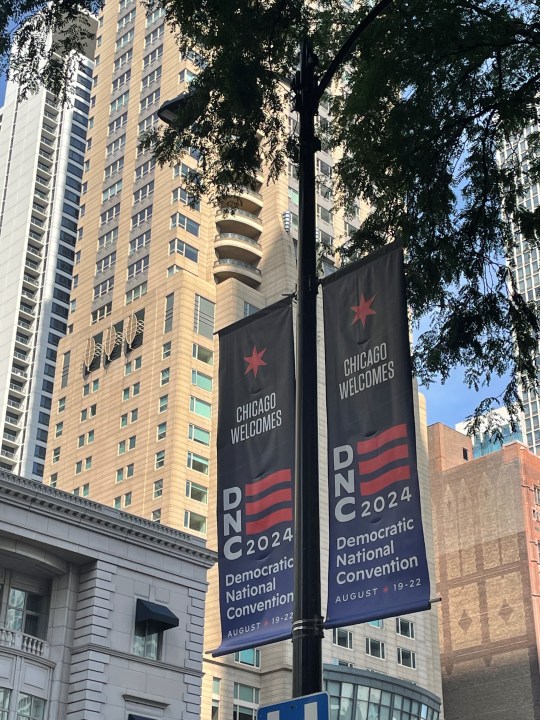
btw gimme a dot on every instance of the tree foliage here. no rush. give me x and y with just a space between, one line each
430 105
40 42
427 113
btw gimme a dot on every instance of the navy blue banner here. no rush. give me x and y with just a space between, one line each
255 446
377 560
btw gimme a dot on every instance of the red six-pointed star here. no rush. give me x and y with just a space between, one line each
254 361
362 310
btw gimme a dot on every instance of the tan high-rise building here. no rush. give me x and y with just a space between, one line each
134 423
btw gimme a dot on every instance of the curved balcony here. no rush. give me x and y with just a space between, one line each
239 221
250 200
237 247
226 268
27 644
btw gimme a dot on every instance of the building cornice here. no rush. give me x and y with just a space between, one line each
101 519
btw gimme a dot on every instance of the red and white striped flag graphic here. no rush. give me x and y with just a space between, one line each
268 502
383 459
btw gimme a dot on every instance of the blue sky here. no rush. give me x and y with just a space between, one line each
453 402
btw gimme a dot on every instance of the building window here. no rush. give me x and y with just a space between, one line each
172 270
56 455
147 641
136 292
169 311
465 454
246 700
130 470
216 682
404 627
342 637
4 703
101 313
78 467
158 489
166 350
88 463
163 403
59 429
88 412
133 365
162 431
159 459
165 376
117 502
53 480
138 267
200 407
537 495
156 515
203 354
375 648
407 658
183 248
25 613
250 657
30 707
201 380
131 391
249 309
126 445
203 319
180 220
198 463
61 404
198 434
196 492
127 499
194 521
376 624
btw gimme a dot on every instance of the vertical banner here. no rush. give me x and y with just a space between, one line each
377 560
255 446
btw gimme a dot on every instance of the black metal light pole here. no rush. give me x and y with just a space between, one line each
307 621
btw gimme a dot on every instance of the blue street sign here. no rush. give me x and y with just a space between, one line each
309 707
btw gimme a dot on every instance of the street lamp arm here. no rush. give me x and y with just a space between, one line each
348 45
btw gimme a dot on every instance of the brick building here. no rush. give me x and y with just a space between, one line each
486 516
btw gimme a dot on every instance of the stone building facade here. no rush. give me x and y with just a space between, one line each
101 612
487 544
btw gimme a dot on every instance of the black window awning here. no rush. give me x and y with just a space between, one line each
159 615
